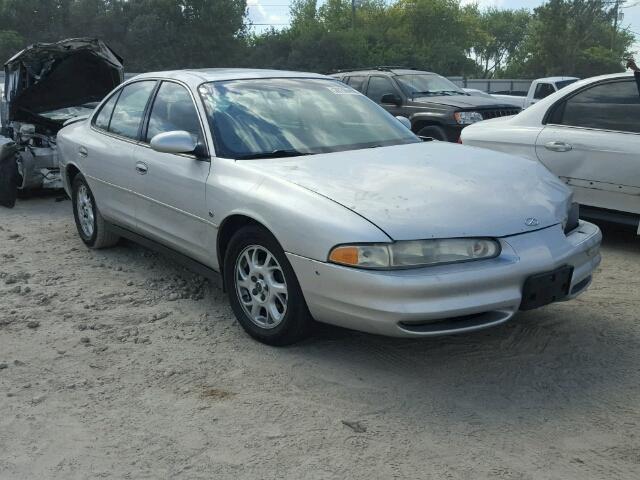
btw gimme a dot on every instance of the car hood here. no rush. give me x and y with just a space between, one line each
432 189
50 76
461 101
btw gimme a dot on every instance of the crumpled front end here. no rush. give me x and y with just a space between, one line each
47 85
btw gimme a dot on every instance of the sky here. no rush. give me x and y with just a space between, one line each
276 13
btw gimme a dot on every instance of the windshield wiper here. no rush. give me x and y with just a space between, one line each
440 92
454 92
426 92
273 154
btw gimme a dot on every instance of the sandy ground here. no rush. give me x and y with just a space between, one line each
120 364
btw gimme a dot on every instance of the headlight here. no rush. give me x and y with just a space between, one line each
414 253
467 118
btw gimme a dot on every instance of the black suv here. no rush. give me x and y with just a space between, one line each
436 107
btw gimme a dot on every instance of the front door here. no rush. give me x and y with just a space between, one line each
170 188
592 142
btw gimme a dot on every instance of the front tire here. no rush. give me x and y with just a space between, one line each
92 228
435 132
263 289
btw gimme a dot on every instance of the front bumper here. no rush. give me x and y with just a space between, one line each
449 298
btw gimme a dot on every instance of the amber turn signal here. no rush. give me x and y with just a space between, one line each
344 255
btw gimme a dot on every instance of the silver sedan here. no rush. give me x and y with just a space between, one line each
315 203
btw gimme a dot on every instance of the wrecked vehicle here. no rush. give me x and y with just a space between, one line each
46 86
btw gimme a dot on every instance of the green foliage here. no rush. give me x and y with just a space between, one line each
148 34
560 37
571 37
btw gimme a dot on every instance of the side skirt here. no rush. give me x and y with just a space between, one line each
610 216
177 257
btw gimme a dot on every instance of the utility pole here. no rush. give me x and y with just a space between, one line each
616 14
353 14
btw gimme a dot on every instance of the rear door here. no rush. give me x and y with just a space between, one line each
592 141
108 151
170 188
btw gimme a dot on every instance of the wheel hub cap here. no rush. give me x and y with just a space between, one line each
261 286
85 211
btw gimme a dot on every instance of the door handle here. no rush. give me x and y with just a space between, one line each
558 146
141 168
83 152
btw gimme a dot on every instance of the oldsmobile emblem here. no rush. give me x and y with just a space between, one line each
531 222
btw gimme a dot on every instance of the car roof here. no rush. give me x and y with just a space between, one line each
383 71
198 76
535 112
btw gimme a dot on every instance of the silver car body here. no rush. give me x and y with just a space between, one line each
313 203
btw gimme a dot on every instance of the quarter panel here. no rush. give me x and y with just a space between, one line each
502 137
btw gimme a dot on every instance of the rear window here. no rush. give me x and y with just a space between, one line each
104 116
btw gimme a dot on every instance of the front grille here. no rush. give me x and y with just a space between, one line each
499 112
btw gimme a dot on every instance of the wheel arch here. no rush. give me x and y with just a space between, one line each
418 124
71 171
229 226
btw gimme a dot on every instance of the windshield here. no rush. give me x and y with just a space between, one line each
278 117
564 83
427 84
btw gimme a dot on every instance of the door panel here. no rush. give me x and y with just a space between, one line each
108 164
592 141
170 200
602 167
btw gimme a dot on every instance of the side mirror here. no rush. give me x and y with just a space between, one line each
392 99
177 141
404 121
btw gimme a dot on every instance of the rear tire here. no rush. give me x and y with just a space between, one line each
92 228
435 132
9 179
263 289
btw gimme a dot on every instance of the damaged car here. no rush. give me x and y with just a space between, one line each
46 86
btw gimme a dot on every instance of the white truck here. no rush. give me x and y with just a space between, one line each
539 89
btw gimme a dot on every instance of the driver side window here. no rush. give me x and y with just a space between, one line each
378 87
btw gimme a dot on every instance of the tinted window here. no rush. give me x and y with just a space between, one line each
563 83
543 90
609 106
130 108
379 86
425 84
173 109
103 118
357 83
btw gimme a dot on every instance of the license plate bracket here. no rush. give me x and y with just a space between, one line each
545 288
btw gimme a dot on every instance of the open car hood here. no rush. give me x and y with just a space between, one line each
45 77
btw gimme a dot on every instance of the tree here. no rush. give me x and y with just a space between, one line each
571 37
498 35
